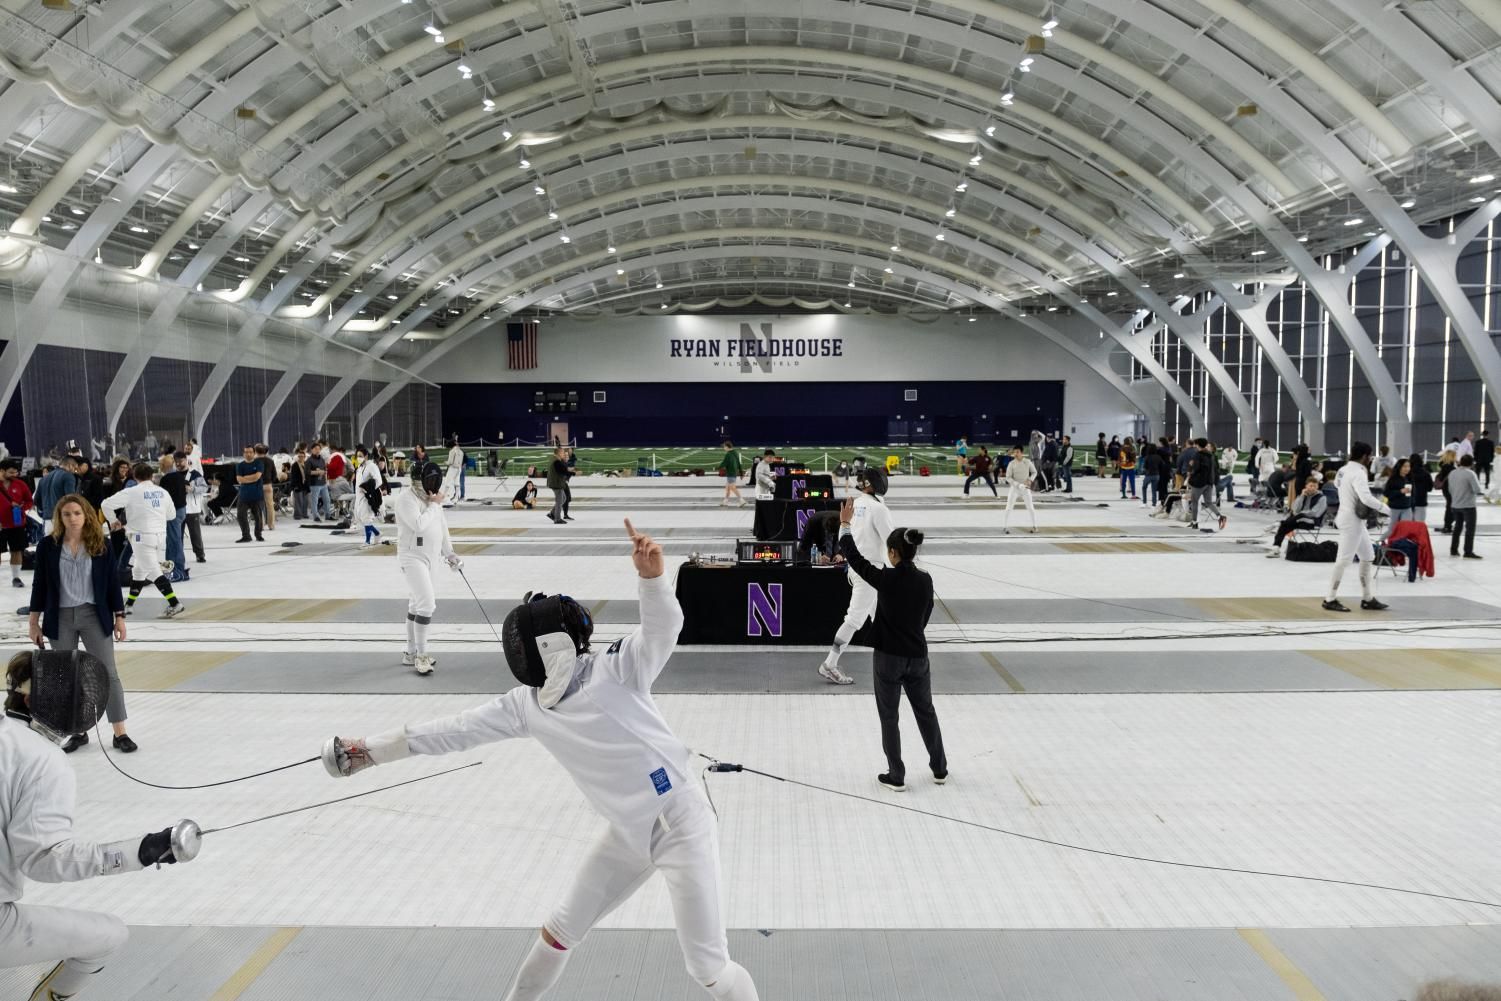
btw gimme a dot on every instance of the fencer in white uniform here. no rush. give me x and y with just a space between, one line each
44 703
453 478
1353 481
1020 475
368 483
594 714
148 509
421 542
870 527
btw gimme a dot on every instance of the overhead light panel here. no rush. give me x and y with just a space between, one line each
1482 178
896 248
8 188
139 229
433 29
609 250
962 186
525 165
565 238
1409 203
553 216
1258 253
490 106
990 130
1050 24
1354 222
539 189
78 210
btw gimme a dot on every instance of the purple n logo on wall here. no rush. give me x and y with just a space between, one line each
763 610
804 515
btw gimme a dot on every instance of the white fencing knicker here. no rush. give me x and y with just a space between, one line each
1026 495
146 550
1354 544
862 606
83 940
422 601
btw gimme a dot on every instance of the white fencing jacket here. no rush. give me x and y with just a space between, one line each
148 508
1354 484
421 529
37 791
870 526
607 732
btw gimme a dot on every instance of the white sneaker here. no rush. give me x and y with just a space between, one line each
166 566
834 676
1275 554
742 502
173 611
725 502
424 664
407 658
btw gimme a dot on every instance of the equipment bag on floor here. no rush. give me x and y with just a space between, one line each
1313 552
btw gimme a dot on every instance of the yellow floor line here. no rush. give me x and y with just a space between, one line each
160 670
1000 669
253 967
1296 980
1409 669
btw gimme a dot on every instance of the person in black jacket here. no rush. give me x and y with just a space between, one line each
75 596
1399 492
904 603
1485 456
1422 486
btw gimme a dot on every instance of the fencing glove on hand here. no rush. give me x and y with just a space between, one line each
454 563
343 756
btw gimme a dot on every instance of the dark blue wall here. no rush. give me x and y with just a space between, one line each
810 413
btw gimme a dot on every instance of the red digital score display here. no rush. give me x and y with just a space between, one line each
769 554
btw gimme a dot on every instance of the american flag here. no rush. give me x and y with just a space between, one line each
521 345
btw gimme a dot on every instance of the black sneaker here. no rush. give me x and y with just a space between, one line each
1335 606
17 582
939 778
1473 556
895 785
1372 605
569 517
75 742
260 538
124 744
246 539
202 560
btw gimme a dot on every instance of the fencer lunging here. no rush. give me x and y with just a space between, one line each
51 694
421 541
1354 485
148 508
593 711
870 526
1020 475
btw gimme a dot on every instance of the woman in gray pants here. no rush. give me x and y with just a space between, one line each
75 596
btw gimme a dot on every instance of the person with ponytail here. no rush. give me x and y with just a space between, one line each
904 603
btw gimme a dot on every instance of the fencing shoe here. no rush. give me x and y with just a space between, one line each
424 664
408 658
1335 605
1373 605
834 676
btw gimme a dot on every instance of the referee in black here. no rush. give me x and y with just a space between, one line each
904 603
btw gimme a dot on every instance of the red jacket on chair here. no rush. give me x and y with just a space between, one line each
1417 531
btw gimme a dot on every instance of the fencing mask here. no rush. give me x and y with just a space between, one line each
875 478
543 637
431 478
66 693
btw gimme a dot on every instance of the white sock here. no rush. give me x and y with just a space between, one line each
411 635
540 969
734 984
419 637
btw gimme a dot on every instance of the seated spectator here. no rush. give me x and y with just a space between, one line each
1308 511
526 497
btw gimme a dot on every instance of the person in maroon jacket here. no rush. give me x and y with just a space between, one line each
13 507
979 469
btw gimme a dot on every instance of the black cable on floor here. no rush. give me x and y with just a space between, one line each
207 785
719 766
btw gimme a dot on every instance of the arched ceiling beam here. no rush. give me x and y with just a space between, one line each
851 256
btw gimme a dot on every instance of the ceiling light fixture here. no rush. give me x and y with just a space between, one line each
539 189
620 271
950 213
609 250
8 188
1050 24
553 216
1007 97
990 130
890 272
659 284
1258 253
139 229
1025 65
1482 178
565 238
1354 222
1477 199
77 210
972 319
525 165
1409 203
1178 275
940 238
490 106
896 249
392 297
1111 295
1302 239
850 285
963 186
432 29
974 161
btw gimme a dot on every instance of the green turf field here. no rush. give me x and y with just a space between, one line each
670 460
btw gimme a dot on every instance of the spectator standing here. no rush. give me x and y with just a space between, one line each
317 481
57 484
1101 456
297 483
1127 460
732 470
979 468
75 597
1464 491
570 462
961 454
904 603
1113 453
197 490
90 483
1398 492
13 507
1050 462
175 482
1422 485
1251 468
1485 456
1066 464
1202 477
119 479
1446 463
269 475
557 482
1383 466
250 500
1152 466
1229 457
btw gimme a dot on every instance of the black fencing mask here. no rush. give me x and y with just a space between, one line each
67 692
543 637
876 479
431 478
